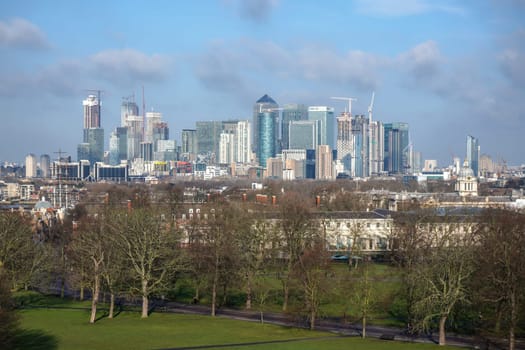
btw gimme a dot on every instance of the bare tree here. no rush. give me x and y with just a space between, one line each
501 266
149 243
296 233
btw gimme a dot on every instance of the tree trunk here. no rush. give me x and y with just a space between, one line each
286 291
513 321
214 287
249 295
262 316
312 319
145 301
94 299
81 297
363 333
442 339
111 305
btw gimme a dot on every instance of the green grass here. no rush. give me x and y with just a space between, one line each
69 329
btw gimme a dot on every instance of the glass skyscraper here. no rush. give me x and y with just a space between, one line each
303 134
396 155
326 127
291 112
473 154
266 136
263 105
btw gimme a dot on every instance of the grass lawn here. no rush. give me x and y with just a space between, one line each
69 329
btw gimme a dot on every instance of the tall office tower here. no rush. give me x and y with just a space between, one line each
291 112
160 132
360 153
344 144
31 165
135 135
396 158
473 154
266 135
303 134
323 163
417 162
208 136
486 165
227 147
45 166
189 143
243 142
166 150
326 127
128 107
152 120
118 145
376 147
265 104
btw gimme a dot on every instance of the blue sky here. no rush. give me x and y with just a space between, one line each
448 68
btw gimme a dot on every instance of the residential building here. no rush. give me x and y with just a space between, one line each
396 151
45 166
31 165
323 163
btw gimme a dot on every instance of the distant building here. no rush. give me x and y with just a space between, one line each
45 166
291 113
31 165
303 134
208 137
92 146
473 154
118 145
189 143
396 154
325 115
467 182
274 168
323 163
267 105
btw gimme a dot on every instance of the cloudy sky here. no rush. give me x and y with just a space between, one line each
448 68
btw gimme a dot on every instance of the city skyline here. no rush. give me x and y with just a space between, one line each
449 69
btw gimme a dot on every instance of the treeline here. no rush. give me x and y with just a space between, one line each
470 269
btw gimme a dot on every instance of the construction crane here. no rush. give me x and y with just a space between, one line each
349 99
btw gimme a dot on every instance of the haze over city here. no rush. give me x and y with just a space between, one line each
447 68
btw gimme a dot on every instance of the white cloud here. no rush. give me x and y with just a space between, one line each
19 33
126 66
423 60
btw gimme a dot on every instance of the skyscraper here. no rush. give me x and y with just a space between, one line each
92 148
243 142
208 136
118 145
473 154
323 163
377 148
266 132
264 104
291 112
31 165
326 127
128 107
344 140
396 157
189 143
303 134
45 166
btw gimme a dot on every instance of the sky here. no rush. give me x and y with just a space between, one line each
449 68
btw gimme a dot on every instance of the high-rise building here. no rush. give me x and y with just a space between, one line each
473 154
126 109
118 145
274 168
92 148
326 127
265 104
291 112
31 165
295 160
208 137
189 143
396 154
266 136
243 142
323 163
166 150
45 166
135 135
377 147
153 119
227 147
345 147
91 112
303 134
